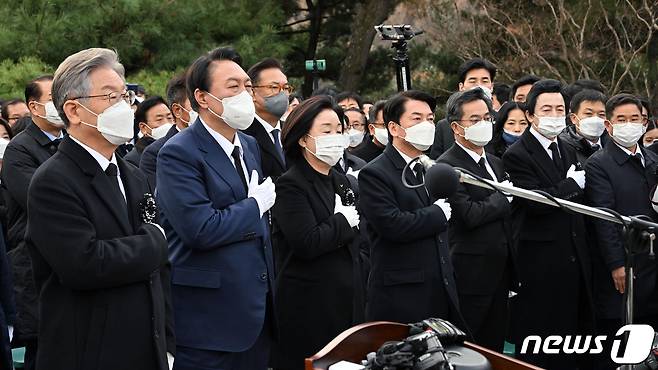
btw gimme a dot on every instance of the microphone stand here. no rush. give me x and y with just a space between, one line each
636 230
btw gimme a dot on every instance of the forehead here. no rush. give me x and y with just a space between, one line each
476 107
326 116
348 101
353 115
478 73
224 70
593 105
272 75
516 114
105 79
523 89
157 110
550 99
416 106
628 109
45 87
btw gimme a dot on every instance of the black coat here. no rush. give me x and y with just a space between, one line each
149 157
7 307
271 162
24 154
615 182
580 145
319 287
444 138
103 279
553 257
480 232
411 276
134 156
368 150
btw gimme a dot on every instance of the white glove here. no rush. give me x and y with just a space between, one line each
350 213
10 329
170 360
445 207
263 193
508 183
577 176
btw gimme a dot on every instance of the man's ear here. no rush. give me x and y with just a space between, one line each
71 110
200 97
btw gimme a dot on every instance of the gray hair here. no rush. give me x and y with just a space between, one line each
71 79
457 100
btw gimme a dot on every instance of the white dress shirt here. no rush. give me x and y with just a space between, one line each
476 157
103 162
544 142
268 128
228 146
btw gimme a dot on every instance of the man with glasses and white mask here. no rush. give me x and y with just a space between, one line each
100 264
271 91
214 203
24 154
480 228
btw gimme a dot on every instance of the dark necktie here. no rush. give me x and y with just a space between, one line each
637 158
277 144
595 147
557 160
484 171
53 145
238 167
419 172
112 173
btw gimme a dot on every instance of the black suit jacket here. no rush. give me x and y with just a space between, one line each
135 155
480 228
24 154
553 256
150 156
271 162
368 150
104 279
411 276
615 182
317 251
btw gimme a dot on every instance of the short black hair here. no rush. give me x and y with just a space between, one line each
300 121
32 89
176 90
455 110
586 95
525 80
294 96
145 106
501 92
376 108
570 90
619 100
256 69
350 95
394 108
140 90
198 76
3 109
541 87
476 63
364 120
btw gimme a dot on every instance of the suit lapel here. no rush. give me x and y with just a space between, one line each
265 142
399 164
134 194
217 159
539 155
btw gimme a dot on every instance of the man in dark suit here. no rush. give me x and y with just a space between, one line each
475 72
587 133
182 112
553 258
213 205
375 143
621 177
154 119
411 275
24 154
101 269
271 91
480 235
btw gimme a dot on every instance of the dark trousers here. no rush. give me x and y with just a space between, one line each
487 315
30 359
255 358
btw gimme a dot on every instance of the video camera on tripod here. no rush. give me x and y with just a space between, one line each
399 34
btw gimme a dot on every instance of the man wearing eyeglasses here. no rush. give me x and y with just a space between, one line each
371 149
100 265
480 228
271 91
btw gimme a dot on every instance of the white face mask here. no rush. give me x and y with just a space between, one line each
627 134
115 123
51 115
487 91
479 134
193 116
160 131
381 134
329 148
420 135
591 128
239 110
551 126
356 137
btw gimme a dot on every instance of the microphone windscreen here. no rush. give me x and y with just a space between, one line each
441 180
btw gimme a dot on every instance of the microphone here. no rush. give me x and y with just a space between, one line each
441 180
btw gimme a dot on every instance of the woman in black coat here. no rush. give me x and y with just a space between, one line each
510 124
319 288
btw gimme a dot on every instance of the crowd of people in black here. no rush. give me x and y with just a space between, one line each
284 220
